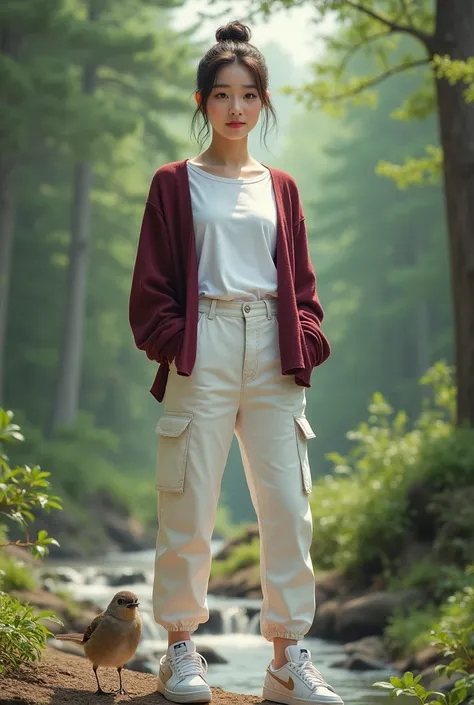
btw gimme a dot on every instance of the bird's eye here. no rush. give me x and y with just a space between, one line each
120 601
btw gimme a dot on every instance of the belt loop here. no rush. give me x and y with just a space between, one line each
269 310
212 311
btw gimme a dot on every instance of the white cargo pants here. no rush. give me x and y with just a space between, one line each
236 386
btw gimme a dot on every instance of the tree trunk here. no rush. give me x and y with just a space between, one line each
455 37
6 245
66 402
10 42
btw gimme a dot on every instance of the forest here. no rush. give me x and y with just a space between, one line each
378 131
96 98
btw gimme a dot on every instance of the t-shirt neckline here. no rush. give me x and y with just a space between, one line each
226 179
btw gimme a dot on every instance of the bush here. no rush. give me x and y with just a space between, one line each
407 633
453 636
454 513
14 575
23 490
242 556
448 461
362 513
22 636
436 580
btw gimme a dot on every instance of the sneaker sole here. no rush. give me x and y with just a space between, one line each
275 697
203 696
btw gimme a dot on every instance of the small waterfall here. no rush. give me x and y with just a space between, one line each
99 581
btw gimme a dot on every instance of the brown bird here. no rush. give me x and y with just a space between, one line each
111 639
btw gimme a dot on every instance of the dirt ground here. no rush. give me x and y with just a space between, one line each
64 679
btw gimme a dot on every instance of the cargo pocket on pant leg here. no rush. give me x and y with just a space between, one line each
304 433
173 430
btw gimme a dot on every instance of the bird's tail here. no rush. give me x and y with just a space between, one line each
71 637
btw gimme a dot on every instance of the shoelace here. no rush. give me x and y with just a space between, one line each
192 664
310 674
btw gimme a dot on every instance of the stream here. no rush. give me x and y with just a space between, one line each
232 631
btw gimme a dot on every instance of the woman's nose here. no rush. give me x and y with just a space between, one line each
235 106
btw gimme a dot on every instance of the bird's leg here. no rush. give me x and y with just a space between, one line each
121 690
99 690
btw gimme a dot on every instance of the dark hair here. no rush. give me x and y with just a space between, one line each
232 47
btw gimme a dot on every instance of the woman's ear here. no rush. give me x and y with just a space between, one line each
197 97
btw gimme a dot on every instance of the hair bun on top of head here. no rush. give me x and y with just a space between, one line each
233 32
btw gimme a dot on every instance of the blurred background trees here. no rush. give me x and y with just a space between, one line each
96 96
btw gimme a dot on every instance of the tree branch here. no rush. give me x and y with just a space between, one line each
352 50
378 79
23 544
423 37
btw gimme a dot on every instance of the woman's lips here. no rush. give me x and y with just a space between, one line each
235 124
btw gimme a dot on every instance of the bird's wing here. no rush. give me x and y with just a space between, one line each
93 626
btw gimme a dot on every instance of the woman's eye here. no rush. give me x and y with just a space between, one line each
219 95
251 95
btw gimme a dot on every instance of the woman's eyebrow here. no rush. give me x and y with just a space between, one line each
227 85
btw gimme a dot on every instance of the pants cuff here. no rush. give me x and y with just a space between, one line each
272 632
180 626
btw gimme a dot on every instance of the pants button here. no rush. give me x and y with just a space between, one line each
247 309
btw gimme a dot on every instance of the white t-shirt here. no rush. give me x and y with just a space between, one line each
235 227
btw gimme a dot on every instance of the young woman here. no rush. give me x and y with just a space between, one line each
224 299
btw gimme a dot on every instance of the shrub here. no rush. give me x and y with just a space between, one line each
14 575
22 636
23 490
437 581
361 513
448 461
453 636
408 632
242 556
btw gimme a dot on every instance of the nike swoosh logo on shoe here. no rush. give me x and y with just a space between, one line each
289 684
165 674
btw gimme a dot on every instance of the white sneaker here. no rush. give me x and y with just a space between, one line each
298 682
182 676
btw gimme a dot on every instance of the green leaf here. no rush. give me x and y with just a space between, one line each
383 684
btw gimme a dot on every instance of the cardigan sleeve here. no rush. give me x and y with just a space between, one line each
316 349
155 317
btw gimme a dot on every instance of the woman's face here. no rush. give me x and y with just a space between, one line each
234 106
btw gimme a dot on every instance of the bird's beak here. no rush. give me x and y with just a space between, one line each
133 604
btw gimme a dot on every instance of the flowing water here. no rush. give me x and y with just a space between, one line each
234 631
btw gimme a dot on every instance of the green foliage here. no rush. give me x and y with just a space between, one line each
134 122
381 262
373 29
223 526
408 632
14 575
414 171
454 513
361 512
453 636
438 581
22 636
448 460
456 71
24 490
428 169
91 476
242 556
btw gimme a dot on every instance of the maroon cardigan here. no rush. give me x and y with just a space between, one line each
164 293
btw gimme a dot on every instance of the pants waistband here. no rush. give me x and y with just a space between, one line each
238 309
